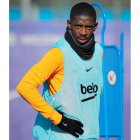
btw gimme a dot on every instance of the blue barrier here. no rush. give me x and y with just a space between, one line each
111 107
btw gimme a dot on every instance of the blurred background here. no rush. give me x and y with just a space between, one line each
34 26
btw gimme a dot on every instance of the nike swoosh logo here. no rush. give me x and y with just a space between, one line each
64 124
89 69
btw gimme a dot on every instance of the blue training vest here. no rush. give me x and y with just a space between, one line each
78 97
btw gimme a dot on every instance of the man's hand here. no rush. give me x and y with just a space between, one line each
71 126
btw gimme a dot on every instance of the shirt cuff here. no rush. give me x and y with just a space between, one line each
56 117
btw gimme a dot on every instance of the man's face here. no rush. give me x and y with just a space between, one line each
82 28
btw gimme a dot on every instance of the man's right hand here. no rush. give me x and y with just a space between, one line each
71 126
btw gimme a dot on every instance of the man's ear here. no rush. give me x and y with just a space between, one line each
69 24
95 26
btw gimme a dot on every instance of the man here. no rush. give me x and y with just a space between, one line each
71 73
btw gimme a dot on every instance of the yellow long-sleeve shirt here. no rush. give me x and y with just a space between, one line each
50 68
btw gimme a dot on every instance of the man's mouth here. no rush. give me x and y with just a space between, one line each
82 40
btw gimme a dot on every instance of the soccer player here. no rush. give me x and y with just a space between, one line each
71 74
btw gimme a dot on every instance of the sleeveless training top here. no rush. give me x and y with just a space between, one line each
78 97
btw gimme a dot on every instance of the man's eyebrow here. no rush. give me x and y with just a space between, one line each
90 25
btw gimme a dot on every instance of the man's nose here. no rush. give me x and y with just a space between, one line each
83 31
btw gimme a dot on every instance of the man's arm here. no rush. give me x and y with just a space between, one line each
38 74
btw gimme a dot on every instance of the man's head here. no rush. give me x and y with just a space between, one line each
82 22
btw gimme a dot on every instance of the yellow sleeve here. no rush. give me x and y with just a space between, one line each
38 74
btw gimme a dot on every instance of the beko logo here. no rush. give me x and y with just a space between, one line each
90 89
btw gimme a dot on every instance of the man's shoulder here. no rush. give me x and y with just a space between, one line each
97 45
59 42
62 44
100 49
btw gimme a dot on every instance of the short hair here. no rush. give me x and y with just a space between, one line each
83 9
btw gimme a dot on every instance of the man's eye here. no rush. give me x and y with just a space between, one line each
77 26
89 27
